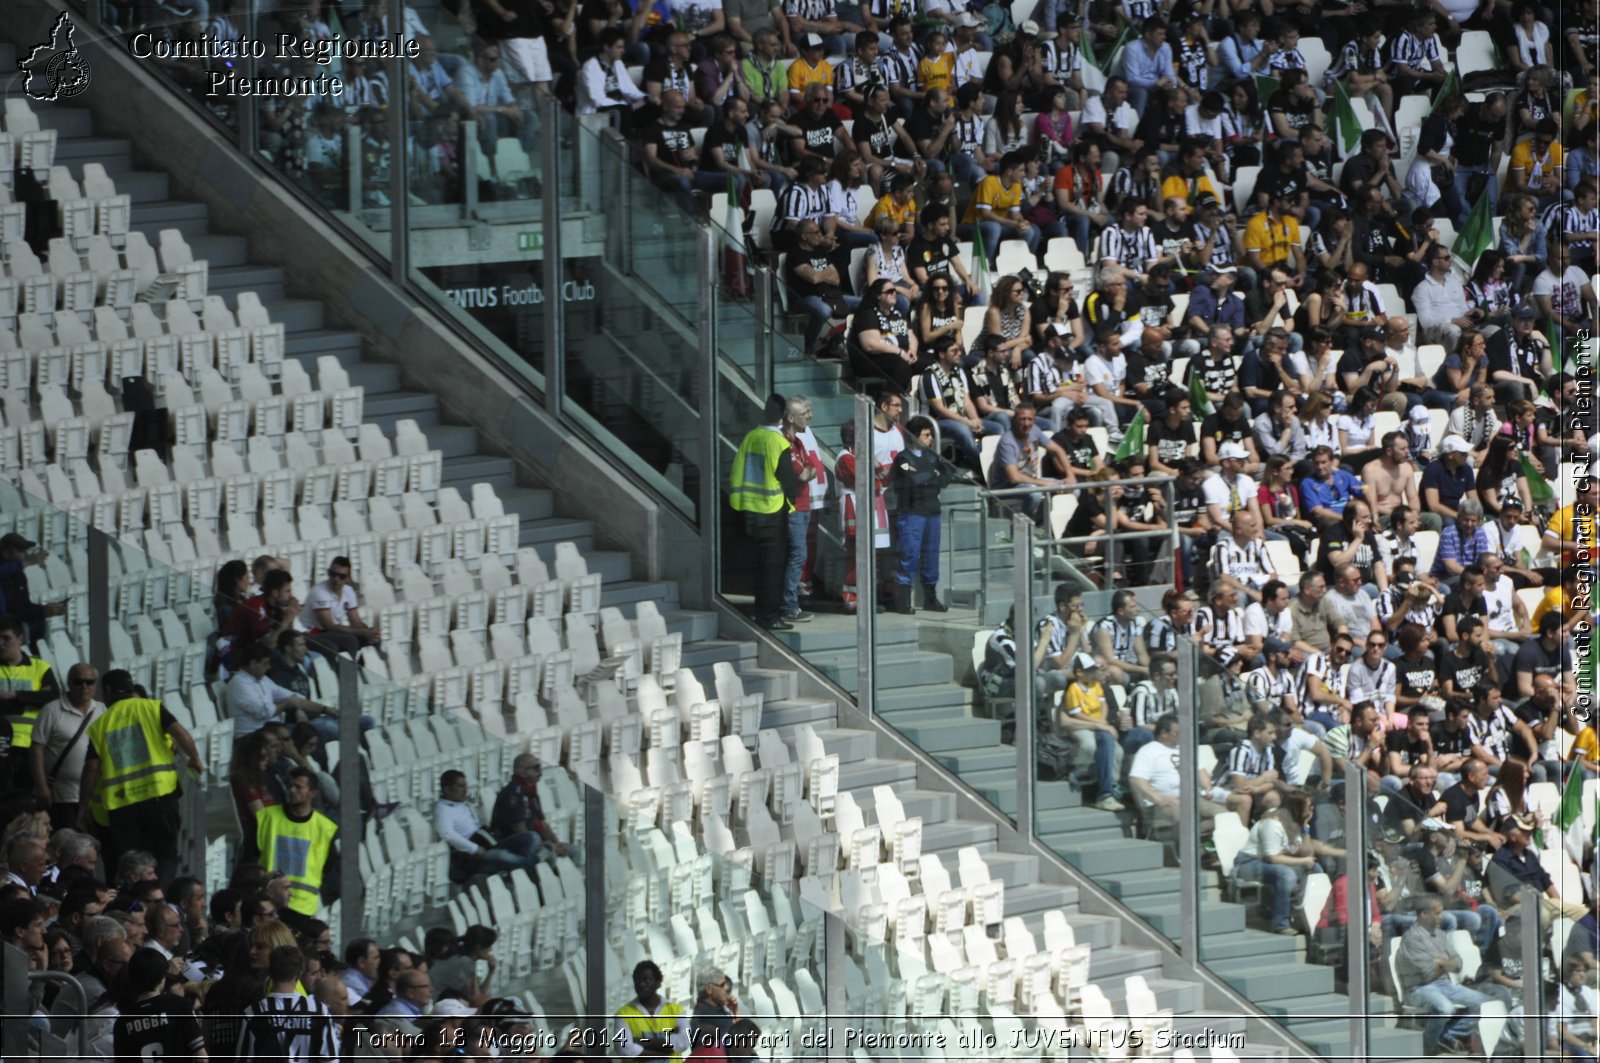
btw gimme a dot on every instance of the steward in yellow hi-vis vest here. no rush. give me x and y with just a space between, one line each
648 1026
130 770
27 684
760 485
297 840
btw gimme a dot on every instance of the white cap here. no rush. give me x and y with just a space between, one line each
452 1008
1232 450
968 20
813 40
1455 445
1029 28
1084 661
1419 414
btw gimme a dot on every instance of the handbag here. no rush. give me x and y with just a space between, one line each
88 718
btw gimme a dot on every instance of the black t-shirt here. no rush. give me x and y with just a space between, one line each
891 323
1276 182
1170 239
673 143
1081 453
1457 606
922 126
663 71
163 1027
1040 310
1534 659
818 130
1172 444
1082 520
1459 807
1465 672
1297 113
879 133
1224 431
529 20
1448 743
932 255
1143 369
1410 752
1477 134
1187 504
1414 679
1509 355
1532 715
733 142
817 260
1151 310
1335 537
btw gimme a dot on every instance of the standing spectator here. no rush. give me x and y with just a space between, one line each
286 1024
1425 962
332 614
16 554
58 747
809 470
916 478
27 685
136 781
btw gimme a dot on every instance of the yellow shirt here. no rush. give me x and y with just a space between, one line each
1087 702
1554 598
803 75
886 207
1568 526
1586 746
1523 158
999 199
938 72
1274 243
1177 187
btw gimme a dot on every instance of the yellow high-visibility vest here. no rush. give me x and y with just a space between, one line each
641 1023
28 677
298 849
754 479
135 754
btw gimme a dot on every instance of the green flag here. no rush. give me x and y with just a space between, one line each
1451 87
1554 340
1132 445
1538 486
1570 811
980 265
1197 395
1477 232
1265 87
1346 126
1109 63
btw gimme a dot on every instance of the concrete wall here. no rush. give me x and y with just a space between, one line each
166 134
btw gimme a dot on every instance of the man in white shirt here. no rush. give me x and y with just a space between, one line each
1110 120
252 699
1441 302
1372 677
1230 489
603 82
1564 293
1268 618
331 615
60 739
472 849
1154 780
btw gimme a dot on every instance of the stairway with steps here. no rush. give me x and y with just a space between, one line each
922 697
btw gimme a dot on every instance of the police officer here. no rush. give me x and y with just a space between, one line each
297 840
27 684
761 485
130 771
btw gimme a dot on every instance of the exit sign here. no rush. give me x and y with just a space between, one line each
533 241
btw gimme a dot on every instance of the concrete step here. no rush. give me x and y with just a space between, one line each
849 744
1119 961
1040 897
836 634
626 596
1257 945
921 697
190 219
953 734
1162 913
865 774
295 314
901 668
937 837
1180 996
111 151
798 710
967 763
341 342
774 684
229 281
693 624
1016 870
1098 857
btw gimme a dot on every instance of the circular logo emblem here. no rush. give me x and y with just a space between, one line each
68 74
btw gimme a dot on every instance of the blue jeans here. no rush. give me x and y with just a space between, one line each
1461 181
966 446
799 524
1081 229
1281 878
919 549
524 850
819 313
1136 739
1105 758
1483 924
684 187
327 727
1441 997
965 171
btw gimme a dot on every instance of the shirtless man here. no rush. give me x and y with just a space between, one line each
1391 481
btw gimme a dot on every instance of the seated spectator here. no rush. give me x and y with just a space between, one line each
881 337
1515 864
332 616
1425 962
262 618
1019 461
1315 622
518 808
1084 716
252 699
473 850
1354 608
1447 481
1352 540
1250 776
812 276
1279 852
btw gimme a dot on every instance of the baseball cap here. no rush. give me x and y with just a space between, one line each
1276 645
1029 28
1512 502
14 541
813 40
1232 450
1060 329
968 20
1455 445
1524 310
451 1008
1083 662
1419 414
1227 655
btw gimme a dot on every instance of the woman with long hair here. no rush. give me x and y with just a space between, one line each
1005 132
1316 416
1323 306
1357 427
1509 795
1490 291
250 779
1245 111
1052 131
1008 317
243 983
231 587
1322 364
842 199
1522 242
1501 477
1280 505
1278 851
939 312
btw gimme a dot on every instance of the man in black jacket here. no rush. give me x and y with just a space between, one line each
916 478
